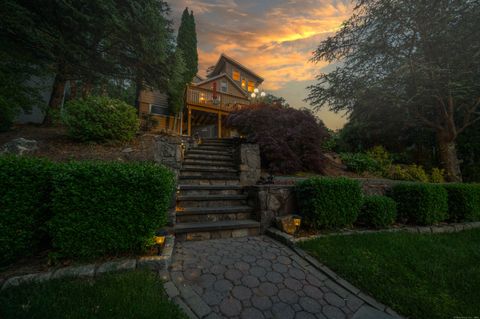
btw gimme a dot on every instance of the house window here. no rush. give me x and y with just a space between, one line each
159 109
236 75
223 86
251 86
244 84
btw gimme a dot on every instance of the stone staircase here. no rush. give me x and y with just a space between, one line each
210 201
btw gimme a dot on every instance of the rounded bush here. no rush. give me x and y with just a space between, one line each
463 202
99 118
329 202
378 211
421 204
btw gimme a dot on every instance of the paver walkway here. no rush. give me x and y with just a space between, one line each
256 277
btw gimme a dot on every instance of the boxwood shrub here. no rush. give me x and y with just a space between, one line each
421 204
463 202
329 202
100 118
378 211
25 185
108 208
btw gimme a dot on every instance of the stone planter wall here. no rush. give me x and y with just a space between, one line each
155 263
248 157
270 201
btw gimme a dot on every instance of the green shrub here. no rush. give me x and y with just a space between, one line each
382 157
359 162
463 202
329 202
100 118
421 204
378 211
108 208
25 185
412 173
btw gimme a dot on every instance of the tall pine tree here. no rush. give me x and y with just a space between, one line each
187 43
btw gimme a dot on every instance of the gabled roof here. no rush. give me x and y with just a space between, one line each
221 61
221 75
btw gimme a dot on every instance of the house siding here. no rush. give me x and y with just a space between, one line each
231 89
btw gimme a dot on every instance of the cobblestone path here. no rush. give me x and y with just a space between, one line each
256 277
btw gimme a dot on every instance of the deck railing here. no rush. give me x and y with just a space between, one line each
223 101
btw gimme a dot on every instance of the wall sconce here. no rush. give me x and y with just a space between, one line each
159 238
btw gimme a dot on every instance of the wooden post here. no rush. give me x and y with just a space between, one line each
189 124
219 125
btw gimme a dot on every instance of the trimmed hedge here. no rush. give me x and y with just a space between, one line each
329 202
102 208
421 204
378 211
24 199
463 202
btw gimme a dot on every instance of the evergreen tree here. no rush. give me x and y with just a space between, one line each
187 42
176 85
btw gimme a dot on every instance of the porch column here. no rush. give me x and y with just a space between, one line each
219 125
189 123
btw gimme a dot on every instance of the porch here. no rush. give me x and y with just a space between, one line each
206 112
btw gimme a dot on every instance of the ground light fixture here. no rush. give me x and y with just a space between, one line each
159 238
297 221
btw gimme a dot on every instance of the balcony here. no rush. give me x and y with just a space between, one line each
223 102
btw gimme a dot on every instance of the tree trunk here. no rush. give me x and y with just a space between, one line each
56 98
447 150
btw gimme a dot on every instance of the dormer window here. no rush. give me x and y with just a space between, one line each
251 86
236 75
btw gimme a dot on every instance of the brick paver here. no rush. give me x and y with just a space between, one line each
256 277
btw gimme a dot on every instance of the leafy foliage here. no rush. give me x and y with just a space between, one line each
359 162
421 204
100 119
290 140
411 173
378 211
404 54
108 208
463 202
329 202
176 85
24 201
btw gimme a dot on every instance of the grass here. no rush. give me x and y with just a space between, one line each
418 275
125 295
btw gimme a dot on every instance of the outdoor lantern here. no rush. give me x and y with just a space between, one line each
253 95
263 94
160 236
255 90
297 221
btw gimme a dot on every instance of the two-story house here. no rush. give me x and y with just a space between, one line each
207 101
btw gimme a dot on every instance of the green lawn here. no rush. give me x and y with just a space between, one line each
125 295
420 276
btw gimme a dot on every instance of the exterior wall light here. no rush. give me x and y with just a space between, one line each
297 221
253 95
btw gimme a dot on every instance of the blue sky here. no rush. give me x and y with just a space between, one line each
275 38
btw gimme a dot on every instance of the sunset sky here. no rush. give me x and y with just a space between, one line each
275 38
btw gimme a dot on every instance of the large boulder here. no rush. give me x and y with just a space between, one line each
19 146
286 224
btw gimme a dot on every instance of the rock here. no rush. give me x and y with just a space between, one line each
19 146
286 224
127 150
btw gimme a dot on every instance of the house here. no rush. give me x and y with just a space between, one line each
207 101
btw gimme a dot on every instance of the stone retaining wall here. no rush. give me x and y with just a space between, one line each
156 263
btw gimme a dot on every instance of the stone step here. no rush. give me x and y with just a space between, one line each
219 229
189 161
197 151
212 210
210 197
210 173
205 165
208 157
213 148
221 144
209 190
211 180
